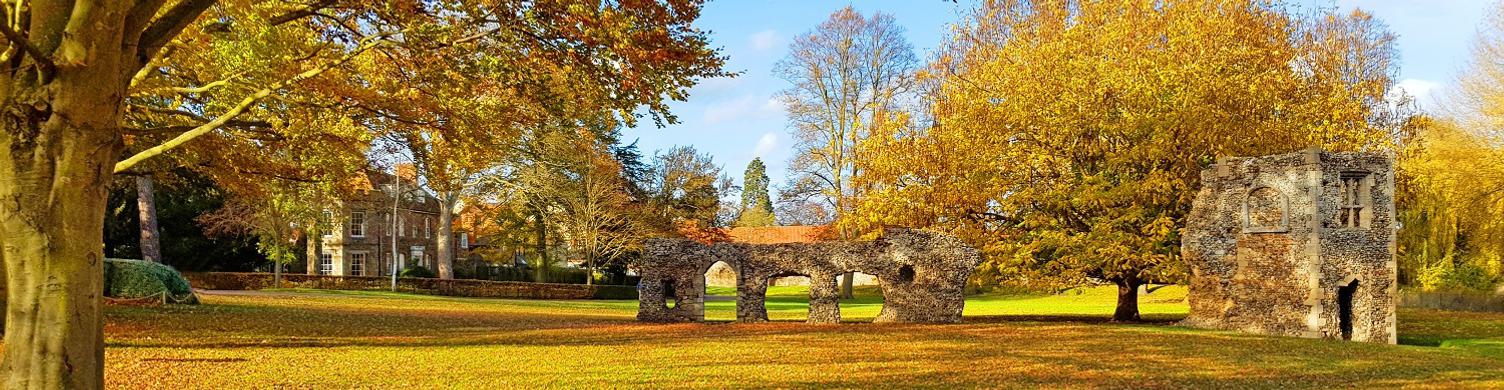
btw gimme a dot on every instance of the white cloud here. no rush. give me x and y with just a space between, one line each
1420 89
745 108
765 145
764 40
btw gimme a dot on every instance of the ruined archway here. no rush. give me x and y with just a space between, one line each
922 275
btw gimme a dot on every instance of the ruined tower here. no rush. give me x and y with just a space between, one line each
1299 244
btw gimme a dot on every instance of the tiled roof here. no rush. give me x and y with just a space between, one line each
779 234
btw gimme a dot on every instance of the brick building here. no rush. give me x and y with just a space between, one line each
361 239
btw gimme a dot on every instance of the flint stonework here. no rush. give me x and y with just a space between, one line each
1298 244
922 275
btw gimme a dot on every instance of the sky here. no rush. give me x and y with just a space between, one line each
737 119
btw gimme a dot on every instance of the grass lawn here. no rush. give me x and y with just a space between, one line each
342 339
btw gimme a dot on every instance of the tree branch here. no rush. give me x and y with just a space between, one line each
168 26
15 38
244 105
307 10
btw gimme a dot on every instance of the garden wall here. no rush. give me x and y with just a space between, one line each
1453 300
457 288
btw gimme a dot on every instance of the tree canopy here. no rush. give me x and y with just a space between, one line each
1068 136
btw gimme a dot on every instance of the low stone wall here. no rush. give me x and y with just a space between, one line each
458 288
1482 301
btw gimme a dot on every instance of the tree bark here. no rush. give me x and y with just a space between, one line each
540 268
847 279
1127 310
60 141
146 205
444 243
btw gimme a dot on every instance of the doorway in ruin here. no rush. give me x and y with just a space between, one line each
1345 308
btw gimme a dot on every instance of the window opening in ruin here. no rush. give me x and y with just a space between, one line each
1352 212
1345 308
1265 211
906 274
670 298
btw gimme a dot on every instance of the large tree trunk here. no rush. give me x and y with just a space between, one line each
540 269
146 204
444 243
60 108
60 141
1127 310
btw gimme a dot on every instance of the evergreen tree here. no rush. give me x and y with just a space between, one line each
757 206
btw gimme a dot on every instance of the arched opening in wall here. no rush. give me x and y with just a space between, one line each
720 280
1345 308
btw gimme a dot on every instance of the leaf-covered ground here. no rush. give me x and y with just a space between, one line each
337 339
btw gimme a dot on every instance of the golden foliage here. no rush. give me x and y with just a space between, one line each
1451 190
1068 136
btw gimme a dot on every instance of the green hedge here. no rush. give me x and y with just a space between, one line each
455 287
615 292
135 279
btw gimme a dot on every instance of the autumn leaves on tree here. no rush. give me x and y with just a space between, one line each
1063 137
1067 138
253 90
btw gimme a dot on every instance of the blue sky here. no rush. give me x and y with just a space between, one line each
737 119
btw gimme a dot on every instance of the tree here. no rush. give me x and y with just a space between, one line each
146 203
685 185
542 70
1068 137
275 221
756 206
181 197
72 64
1450 196
846 73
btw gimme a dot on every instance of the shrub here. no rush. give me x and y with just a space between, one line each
417 271
134 279
1448 276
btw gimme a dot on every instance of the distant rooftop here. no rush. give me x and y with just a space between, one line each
779 234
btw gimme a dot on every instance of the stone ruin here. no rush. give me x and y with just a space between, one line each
922 275
1298 244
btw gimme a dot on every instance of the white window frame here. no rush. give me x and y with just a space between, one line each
358 230
326 263
426 232
357 264
418 254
